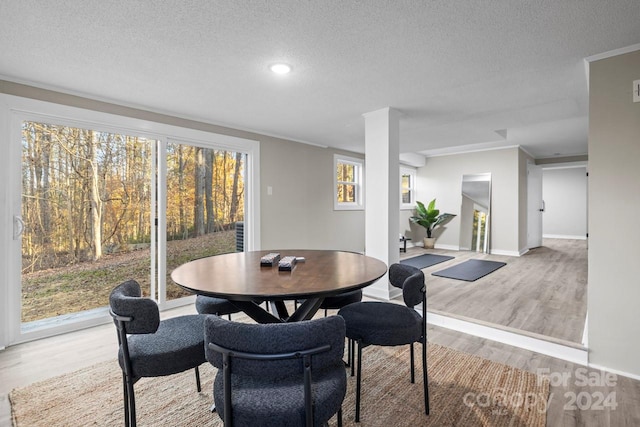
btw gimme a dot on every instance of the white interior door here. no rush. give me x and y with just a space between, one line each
535 206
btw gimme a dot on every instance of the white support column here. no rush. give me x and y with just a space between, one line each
382 194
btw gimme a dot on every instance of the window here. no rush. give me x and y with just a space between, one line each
347 183
407 187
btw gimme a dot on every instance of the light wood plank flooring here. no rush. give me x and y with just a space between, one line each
26 363
542 292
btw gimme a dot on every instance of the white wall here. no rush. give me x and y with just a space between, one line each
441 178
614 204
564 191
299 213
405 225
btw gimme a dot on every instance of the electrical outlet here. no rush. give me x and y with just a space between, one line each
636 91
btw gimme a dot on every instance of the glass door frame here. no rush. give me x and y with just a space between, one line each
15 110
250 242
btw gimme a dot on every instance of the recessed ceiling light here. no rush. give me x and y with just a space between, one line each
280 68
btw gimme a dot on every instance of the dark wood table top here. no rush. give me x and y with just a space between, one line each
239 276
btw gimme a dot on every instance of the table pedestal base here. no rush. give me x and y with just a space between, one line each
305 311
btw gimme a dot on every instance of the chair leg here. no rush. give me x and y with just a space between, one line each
198 387
413 371
131 403
228 316
340 417
425 377
126 400
352 346
358 381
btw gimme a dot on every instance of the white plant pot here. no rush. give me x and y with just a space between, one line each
429 242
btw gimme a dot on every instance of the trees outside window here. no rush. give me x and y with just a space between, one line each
87 208
348 186
83 192
407 187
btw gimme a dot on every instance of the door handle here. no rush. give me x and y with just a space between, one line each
18 227
542 209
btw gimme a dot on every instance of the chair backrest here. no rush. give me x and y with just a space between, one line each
126 301
275 338
410 280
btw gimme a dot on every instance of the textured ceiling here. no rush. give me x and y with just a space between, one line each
464 74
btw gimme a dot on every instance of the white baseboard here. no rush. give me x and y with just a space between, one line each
409 245
570 353
447 247
507 253
378 294
615 371
437 246
563 236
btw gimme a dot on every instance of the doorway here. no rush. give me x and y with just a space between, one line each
535 206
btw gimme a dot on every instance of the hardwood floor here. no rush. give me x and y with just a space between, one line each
24 364
543 292
571 403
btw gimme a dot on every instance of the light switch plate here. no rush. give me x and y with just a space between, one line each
636 91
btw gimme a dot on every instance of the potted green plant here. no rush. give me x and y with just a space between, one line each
429 217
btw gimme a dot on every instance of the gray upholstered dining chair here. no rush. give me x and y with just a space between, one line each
390 324
338 301
149 347
335 302
220 306
277 374
217 306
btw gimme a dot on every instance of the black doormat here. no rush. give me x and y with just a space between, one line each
426 260
470 270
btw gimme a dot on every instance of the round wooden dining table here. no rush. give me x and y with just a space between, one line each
240 278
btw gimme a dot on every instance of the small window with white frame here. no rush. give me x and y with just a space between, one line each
347 183
407 187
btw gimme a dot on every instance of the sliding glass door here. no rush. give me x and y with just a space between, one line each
86 219
205 199
97 199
